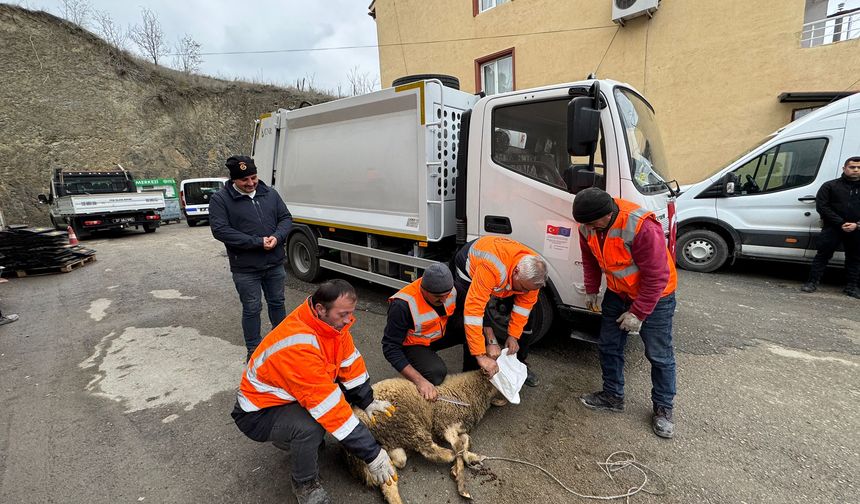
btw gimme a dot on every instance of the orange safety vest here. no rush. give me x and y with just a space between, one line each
303 360
428 325
490 265
615 257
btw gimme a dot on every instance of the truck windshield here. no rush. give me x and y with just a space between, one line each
94 184
648 167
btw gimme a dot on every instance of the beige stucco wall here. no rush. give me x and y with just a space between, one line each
712 70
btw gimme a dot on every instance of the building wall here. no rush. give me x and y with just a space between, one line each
711 69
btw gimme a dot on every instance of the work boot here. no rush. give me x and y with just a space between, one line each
662 423
532 379
809 287
310 492
603 401
8 319
853 291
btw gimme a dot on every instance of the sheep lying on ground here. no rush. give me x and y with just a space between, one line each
417 424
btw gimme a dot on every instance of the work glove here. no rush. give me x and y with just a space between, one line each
378 406
591 302
628 322
381 469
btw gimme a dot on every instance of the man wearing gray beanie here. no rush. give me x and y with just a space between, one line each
419 324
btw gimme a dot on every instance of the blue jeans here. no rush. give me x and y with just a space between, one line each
656 334
249 286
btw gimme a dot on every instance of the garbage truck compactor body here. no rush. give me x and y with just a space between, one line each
382 185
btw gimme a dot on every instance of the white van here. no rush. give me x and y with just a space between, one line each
194 196
763 204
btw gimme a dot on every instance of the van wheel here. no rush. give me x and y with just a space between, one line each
191 222
540 319
701 250
303 257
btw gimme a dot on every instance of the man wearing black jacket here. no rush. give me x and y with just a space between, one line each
252 221
838 203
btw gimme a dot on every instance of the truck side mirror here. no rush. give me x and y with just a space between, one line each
583 126
730 183
43 199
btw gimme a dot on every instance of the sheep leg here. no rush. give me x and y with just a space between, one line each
470 458
391 493
452 435
398 457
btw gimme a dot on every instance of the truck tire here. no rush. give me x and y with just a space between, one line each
447 80
701 250
191 222
540 320
150 228
303 256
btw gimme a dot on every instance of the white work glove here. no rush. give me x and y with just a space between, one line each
591 302
378 406
381 469
628 322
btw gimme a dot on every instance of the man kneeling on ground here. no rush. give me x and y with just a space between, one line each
301 382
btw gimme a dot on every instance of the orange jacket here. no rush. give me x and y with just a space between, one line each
429 326
303 360
615 257
489 266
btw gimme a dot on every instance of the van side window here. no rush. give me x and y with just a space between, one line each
530 139
785 166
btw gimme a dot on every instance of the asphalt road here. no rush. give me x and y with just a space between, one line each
117 381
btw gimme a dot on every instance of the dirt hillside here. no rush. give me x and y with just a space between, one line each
70 99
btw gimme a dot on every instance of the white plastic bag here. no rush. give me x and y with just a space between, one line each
511 376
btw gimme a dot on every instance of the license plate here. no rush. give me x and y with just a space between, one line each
124 219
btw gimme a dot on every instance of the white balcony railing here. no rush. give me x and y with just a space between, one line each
831 30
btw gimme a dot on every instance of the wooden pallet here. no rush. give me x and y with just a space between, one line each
79 263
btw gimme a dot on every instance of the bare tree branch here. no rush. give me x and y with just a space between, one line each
148 36
111 32
360 82
187 57
76 11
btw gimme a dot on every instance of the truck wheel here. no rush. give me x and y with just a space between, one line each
150 228
191 222
540 319
701 250
447 80
303 257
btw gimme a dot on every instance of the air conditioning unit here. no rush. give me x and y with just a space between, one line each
622 10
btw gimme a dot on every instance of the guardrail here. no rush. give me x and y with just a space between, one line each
831 30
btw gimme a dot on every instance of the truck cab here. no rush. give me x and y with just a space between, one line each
762 205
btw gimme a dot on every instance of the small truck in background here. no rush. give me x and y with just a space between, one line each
99 200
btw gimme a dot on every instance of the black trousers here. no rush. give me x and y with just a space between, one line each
827 242
426 361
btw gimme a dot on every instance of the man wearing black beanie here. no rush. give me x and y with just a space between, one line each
252 221
627 244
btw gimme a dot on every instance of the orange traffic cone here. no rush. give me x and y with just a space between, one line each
73 238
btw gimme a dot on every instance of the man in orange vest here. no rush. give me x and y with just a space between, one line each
420 323
627 244
302 381
495 266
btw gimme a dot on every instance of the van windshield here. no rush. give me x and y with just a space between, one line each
198 193
648 167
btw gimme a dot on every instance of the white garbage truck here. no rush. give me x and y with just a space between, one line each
384 184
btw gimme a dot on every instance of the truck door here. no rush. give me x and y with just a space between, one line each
266 146
774 209
527 182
